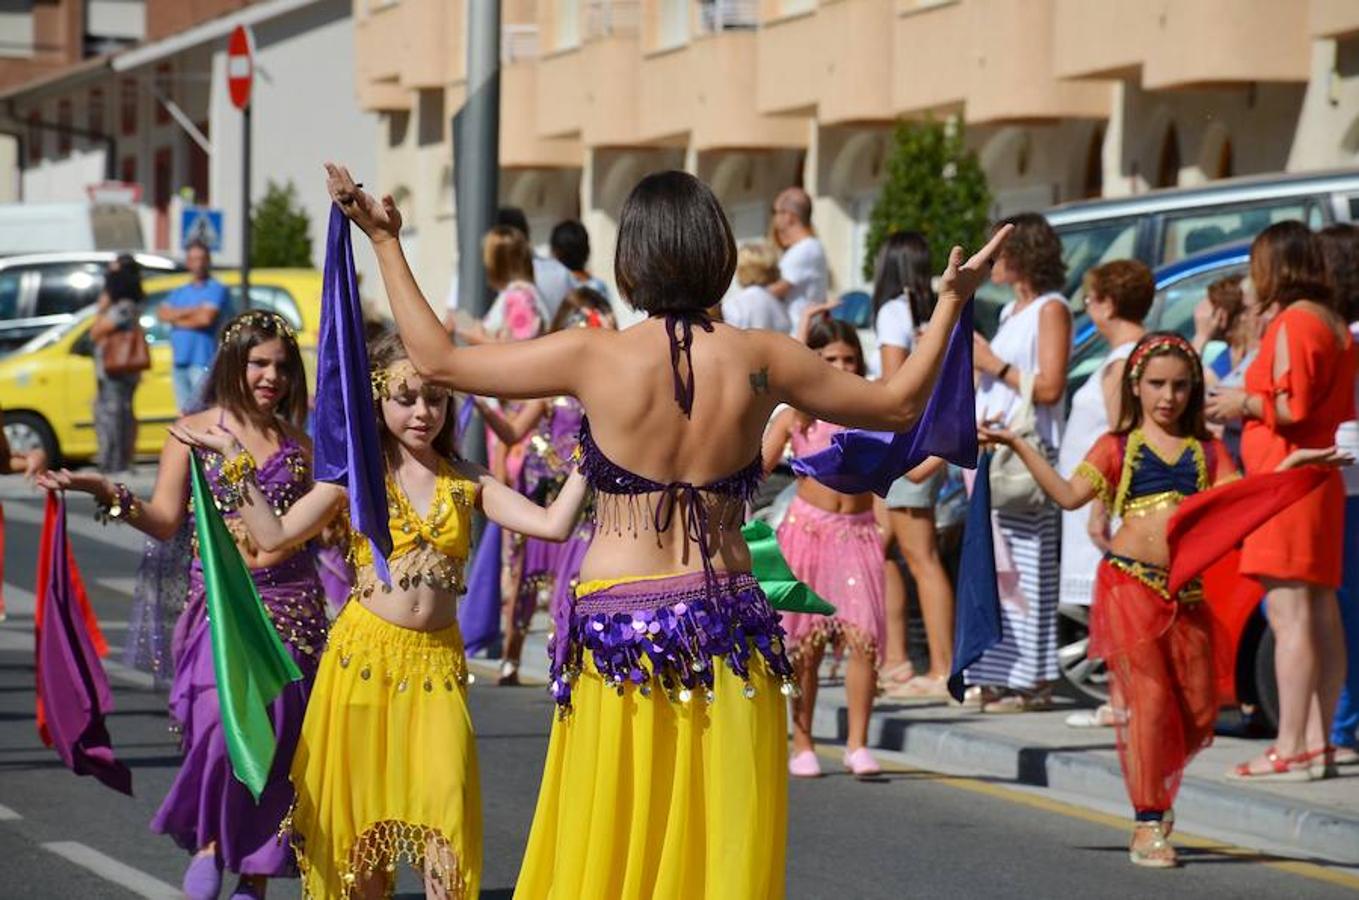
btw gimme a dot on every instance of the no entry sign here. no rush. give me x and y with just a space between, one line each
240 65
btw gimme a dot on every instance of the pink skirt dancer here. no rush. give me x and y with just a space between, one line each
840 557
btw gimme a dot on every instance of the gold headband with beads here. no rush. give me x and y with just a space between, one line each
263 319
394 381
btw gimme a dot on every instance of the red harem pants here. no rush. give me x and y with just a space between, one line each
1159 655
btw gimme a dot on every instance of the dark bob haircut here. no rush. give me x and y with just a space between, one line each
675 249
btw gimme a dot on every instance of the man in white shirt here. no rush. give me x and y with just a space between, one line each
804 277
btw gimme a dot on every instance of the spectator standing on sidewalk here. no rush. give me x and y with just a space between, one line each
570 244
1299 389
803 276
1340 247
904 301
118 312
753 306
1031 348
194 311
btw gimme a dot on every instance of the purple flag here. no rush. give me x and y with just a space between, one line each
978 626
73 689
347 449
859 461
479 611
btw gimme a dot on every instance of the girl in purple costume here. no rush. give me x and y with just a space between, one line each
257 390
545 570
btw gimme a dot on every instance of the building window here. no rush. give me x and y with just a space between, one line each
673 26
567 24
64 123
16 24
127 170
1168 166
127 105
164 92
34 137
94 113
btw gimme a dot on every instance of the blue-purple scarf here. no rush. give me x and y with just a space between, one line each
348 451
978 624
859 461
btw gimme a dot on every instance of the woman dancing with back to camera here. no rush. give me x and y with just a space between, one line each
665 772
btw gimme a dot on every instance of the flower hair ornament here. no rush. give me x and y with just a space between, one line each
263 319
521 316
1160 345
394 381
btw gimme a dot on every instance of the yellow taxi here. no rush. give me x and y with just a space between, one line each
47 386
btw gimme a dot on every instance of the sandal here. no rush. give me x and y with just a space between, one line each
1346 756
1321 763
1019 701
921 687
1103 716
895 674
1154 852
1297 768
509 674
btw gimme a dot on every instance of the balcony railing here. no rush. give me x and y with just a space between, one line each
728 15
604 18
518 42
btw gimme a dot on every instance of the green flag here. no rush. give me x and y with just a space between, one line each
248 657
776 579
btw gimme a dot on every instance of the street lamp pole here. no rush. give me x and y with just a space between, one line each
476 166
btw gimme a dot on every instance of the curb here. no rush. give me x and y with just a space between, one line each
1310 831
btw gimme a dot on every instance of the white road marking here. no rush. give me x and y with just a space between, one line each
7 814
110 869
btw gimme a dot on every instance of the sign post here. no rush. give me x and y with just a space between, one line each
240 79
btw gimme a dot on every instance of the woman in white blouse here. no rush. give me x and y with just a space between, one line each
1033 342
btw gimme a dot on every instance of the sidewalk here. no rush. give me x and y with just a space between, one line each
1317 820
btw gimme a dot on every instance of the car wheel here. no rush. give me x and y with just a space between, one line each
29 431
1087 677
1266 688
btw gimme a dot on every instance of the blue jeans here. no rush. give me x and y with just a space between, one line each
188 384
1345 727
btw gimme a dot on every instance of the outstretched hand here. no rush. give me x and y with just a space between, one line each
380 220
216 439
1333 457
961 279
994 433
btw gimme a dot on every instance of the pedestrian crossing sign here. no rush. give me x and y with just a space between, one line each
201 224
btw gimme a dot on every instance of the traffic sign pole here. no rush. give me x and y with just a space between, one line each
240 81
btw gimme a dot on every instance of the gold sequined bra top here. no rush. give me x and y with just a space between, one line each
430 549
1149 482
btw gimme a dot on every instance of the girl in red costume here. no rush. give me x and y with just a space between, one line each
1157 647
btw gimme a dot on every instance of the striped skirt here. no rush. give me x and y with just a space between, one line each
1026 656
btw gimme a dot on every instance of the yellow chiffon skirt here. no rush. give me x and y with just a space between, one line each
386 768
644 796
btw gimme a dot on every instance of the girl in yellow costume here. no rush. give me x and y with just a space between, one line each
665 773
386 768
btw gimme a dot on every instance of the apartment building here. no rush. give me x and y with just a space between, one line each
1061 99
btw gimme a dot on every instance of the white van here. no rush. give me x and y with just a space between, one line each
67 227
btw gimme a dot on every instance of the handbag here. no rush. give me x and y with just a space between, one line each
1013 488
125 351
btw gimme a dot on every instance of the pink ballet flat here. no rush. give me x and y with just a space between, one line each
804 765
862 763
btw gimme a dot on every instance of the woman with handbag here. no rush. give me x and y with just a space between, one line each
120 356
1022 384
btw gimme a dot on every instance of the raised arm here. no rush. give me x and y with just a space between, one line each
776 439
799 377
546 367
305 519
512 510
511 429
1068 494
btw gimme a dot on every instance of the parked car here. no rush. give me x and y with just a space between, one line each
39 290
1243 643
1164 226
47 386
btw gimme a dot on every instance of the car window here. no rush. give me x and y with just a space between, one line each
272 298
66 287
1173 308
1190 232
9 295
1089 245
156 330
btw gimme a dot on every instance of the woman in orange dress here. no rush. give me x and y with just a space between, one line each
1298 391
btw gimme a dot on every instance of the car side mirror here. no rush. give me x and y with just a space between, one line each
83 346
